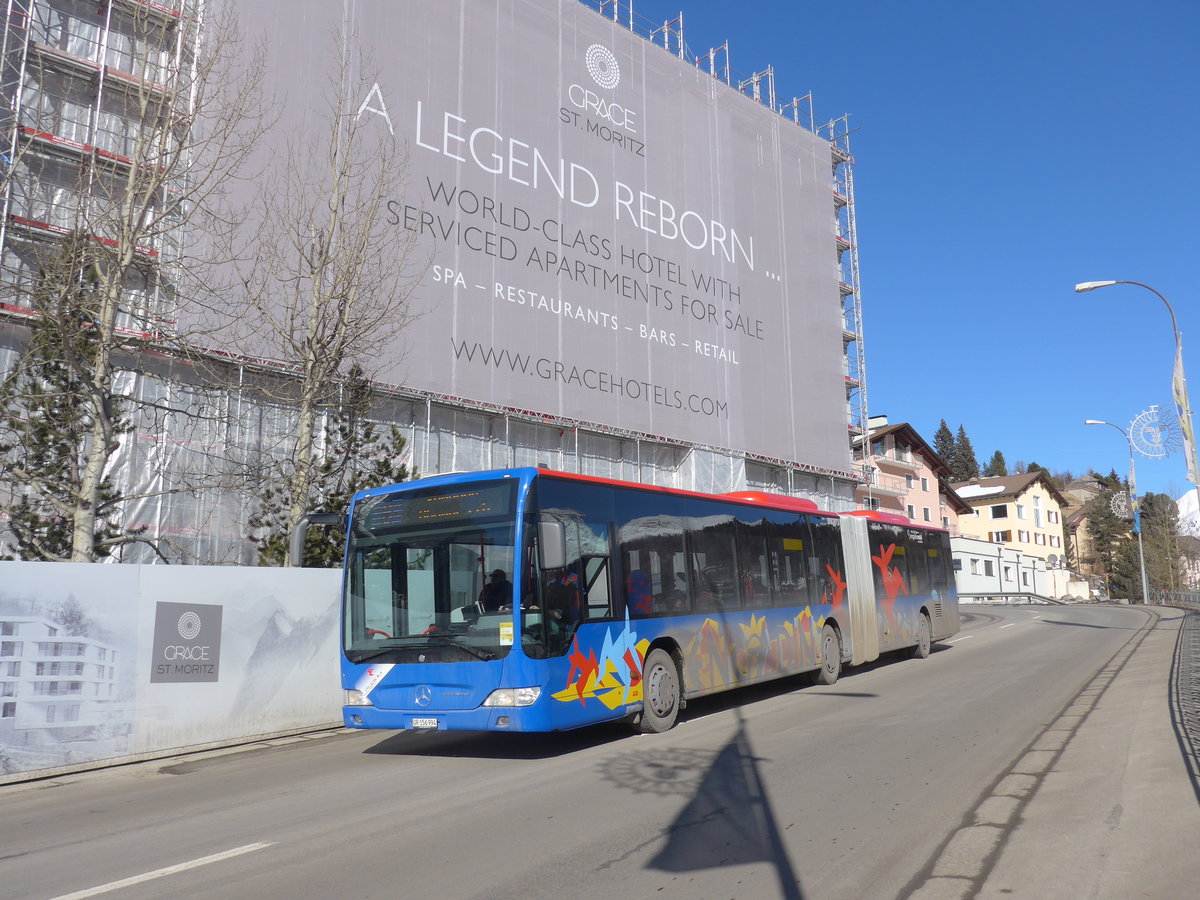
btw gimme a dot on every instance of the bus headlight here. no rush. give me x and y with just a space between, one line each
513 696
356 698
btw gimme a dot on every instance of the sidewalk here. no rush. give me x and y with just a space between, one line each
1106 804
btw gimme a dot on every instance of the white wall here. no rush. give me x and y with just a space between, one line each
1011 572
270 667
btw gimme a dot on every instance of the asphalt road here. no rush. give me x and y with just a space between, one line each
851 791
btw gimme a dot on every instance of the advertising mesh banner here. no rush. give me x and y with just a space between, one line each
613 235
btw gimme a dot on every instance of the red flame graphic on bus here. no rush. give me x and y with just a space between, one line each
893 581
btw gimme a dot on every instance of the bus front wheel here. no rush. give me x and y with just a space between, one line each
924 638
831 656
660 693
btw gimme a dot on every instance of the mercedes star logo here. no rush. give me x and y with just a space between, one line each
424 695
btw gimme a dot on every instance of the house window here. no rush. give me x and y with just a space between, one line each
924 483
1008 573
1037 511
946 522
1023 537
11 648
958 565
1000 537
1020 510
912 513
1025 579
1040 539
8 628
987 568
908 482
1052 517
14 669
8 711
1000 512
974 566
1055 541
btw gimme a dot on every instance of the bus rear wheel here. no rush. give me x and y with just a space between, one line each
924 638
660 693
831 656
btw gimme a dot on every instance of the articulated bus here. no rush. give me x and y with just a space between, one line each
533 600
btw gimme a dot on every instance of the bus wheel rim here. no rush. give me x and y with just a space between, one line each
661 702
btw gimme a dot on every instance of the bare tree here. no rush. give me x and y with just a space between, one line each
327 286
174 115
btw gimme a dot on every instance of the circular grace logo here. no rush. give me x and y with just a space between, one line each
189 625
602 66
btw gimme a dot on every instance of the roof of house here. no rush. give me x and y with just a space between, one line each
905 432
999 487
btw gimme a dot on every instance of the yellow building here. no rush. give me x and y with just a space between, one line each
1024 512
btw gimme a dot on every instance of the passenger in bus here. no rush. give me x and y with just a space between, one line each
497 593
638 594
676 602
562 610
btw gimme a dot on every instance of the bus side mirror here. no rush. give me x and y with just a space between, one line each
552 544
296 542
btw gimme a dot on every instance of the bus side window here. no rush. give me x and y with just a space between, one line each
713 561
790 550
650 533
888 568
595 580
826 567
917 562
754 564
938 552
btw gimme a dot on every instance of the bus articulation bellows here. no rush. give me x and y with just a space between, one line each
532 600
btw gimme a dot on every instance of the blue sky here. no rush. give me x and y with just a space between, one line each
1004 153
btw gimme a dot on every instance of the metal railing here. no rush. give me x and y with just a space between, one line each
1009 598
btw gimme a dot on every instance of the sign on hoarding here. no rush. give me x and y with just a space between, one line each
613 235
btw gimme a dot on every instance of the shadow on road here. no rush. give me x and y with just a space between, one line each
727 822
1088 625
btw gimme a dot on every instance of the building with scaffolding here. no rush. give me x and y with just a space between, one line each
706 333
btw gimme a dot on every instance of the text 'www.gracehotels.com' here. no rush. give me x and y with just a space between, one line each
588 378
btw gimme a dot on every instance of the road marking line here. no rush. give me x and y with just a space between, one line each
169 870
965 637
1009 625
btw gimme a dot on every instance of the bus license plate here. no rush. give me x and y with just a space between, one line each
424 723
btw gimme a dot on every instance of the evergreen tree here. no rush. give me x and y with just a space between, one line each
48 415
1160 535
997 466
1125 576
964 465
943 442
357 456
1109 534
1034 467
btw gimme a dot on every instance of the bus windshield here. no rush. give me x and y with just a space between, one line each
429 575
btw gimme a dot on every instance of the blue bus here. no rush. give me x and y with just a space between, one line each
532 600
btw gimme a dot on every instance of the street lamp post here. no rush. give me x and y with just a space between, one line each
1137 518
1178 381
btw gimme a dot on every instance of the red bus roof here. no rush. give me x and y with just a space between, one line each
757 498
